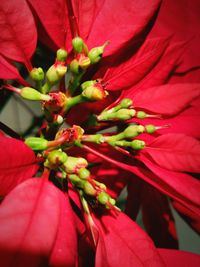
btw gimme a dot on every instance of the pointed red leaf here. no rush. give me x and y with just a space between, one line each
17 163
129 73
179 186
161 72
179 258
53 16
121 232
166 99
158 219
186 122
64 252
176 188
130 20
176 152
18 32
9 71
30 217
182 22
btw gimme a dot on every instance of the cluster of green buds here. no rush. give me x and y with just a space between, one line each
126 138
123 111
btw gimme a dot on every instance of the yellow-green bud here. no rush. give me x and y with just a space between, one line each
61 55
89 189
37 74
36 143
87 84
150 128
32 94
84 173
76 180
103 198
125 114
141 115
74 66
133 131
73 165
126 103
56 157
55 73
137 144
94 93
78 44
95 53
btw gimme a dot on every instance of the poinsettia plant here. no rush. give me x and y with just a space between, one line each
119 86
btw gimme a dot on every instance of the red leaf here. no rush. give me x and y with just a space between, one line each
176 152
65 245
179 258
9 71
53 16
30 217
160 178
158 219
17 163
180 186
174 20
167 99
186 122
130 20
161 72
136 248
129 73
18 32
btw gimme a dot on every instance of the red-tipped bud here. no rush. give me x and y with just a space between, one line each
73 165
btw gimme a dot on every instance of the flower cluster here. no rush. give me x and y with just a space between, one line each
120 104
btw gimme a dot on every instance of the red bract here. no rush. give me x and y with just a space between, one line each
18 31
31 239
15 167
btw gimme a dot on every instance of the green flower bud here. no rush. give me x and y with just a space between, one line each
61 55
73 165
76 180
87 84
84 173
103 198
137 144
112 201
57 157
95 53
37 74
84 62
133 131
141 115
37 143
55 73
89 189
125 114
74 66
150 128
126 103
32 94
78 44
